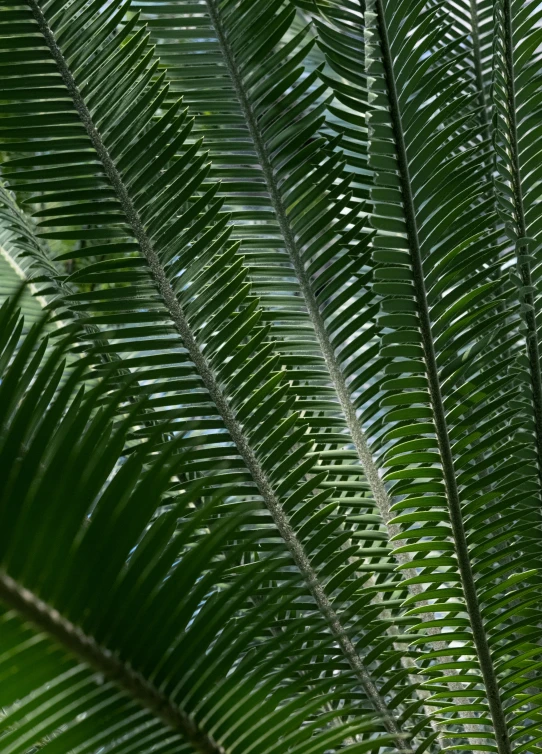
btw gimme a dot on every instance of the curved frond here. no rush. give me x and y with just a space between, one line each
23 257
285 499
171 291
131 632
516 107
307 272
435 249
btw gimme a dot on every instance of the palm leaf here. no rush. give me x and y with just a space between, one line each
515 106
341 36
255 123
23 258
11 277
172 291
318 488
473 18
292 261
86 669
436 346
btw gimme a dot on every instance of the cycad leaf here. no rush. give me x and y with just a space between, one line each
515 106
177 297
474 19
434 231
313 290
130 632
247 124
24 258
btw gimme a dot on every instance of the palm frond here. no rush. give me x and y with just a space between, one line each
254 125
24 258
474 19
304 272
172 291
273 460
440 350
133 632
516 105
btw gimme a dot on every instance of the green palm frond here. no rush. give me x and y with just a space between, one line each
269 204
309 275
11 277
271 466
23 258
436 344
173 293
516 105
28 259
474 19
87 671
340 36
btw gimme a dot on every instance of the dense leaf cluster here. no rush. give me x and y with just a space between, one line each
272 459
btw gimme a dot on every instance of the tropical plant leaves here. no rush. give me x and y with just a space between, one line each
171 273
297 278
431 315
87 673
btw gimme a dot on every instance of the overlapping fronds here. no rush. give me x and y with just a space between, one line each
298 221
454 453
132 634
167 286
297 506
288 181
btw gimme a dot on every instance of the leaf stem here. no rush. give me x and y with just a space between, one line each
523 263
47 619
231 423
456 517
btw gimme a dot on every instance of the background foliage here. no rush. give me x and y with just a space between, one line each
271 424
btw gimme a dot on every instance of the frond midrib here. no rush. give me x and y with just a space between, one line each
82 646
13 261
231 423
45 267
452 493
523 263
337 377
